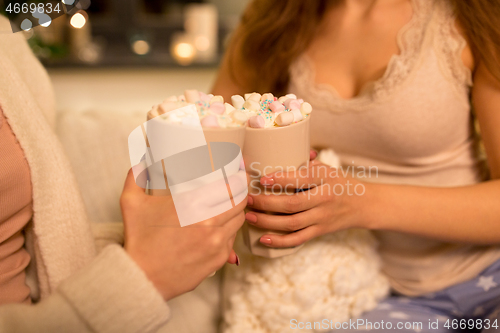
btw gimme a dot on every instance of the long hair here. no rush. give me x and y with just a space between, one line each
273 33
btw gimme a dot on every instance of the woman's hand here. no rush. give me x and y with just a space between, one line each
325 201
176 259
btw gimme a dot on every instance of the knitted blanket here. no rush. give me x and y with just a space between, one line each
334 277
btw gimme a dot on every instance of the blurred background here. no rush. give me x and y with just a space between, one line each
110 64
131 54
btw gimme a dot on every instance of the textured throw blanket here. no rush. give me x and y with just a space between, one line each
334 277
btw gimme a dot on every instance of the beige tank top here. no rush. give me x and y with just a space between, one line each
414 125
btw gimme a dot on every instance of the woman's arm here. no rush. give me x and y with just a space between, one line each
469 214
111 294
125 289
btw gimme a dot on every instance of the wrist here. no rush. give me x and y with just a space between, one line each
367 207
150 271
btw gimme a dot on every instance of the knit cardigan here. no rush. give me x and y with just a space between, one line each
74 287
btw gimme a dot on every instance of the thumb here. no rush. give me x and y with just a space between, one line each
136 179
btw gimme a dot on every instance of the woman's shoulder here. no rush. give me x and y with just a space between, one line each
451 42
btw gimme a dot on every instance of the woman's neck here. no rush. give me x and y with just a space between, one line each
363 8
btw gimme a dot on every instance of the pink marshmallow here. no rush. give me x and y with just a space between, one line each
292 104
256 122
276 107
210 121
217 107
204 97
301 100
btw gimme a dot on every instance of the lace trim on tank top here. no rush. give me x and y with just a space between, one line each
409 39
449 44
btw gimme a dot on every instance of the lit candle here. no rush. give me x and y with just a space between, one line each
80 32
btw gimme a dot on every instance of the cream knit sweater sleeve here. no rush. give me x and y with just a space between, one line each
77 290
110 295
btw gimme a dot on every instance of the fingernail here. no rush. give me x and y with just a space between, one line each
251 218
237 260
313 154
249 200
267 181
266 240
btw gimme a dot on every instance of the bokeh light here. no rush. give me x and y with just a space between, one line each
78 21
141 47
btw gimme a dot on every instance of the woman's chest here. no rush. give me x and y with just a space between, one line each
353 50
421 118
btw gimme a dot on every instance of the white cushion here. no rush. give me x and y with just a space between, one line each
96 143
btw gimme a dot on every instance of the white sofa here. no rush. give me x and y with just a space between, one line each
95 140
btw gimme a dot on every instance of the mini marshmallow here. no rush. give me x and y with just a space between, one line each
192 96
291 96
292 104
251 105
237 101
247 96
217 108
173 117
282 99
251 114
257 122
266 97
168 106
217 98
204 97
276 107
154 111
284 119
306 108
297 115
239 116
171 99
254 97
210 121
228 108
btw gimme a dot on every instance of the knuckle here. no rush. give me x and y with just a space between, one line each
296 241
126 200
211 222
293 224
217 240
291 204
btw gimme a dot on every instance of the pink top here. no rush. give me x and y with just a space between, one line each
15 213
